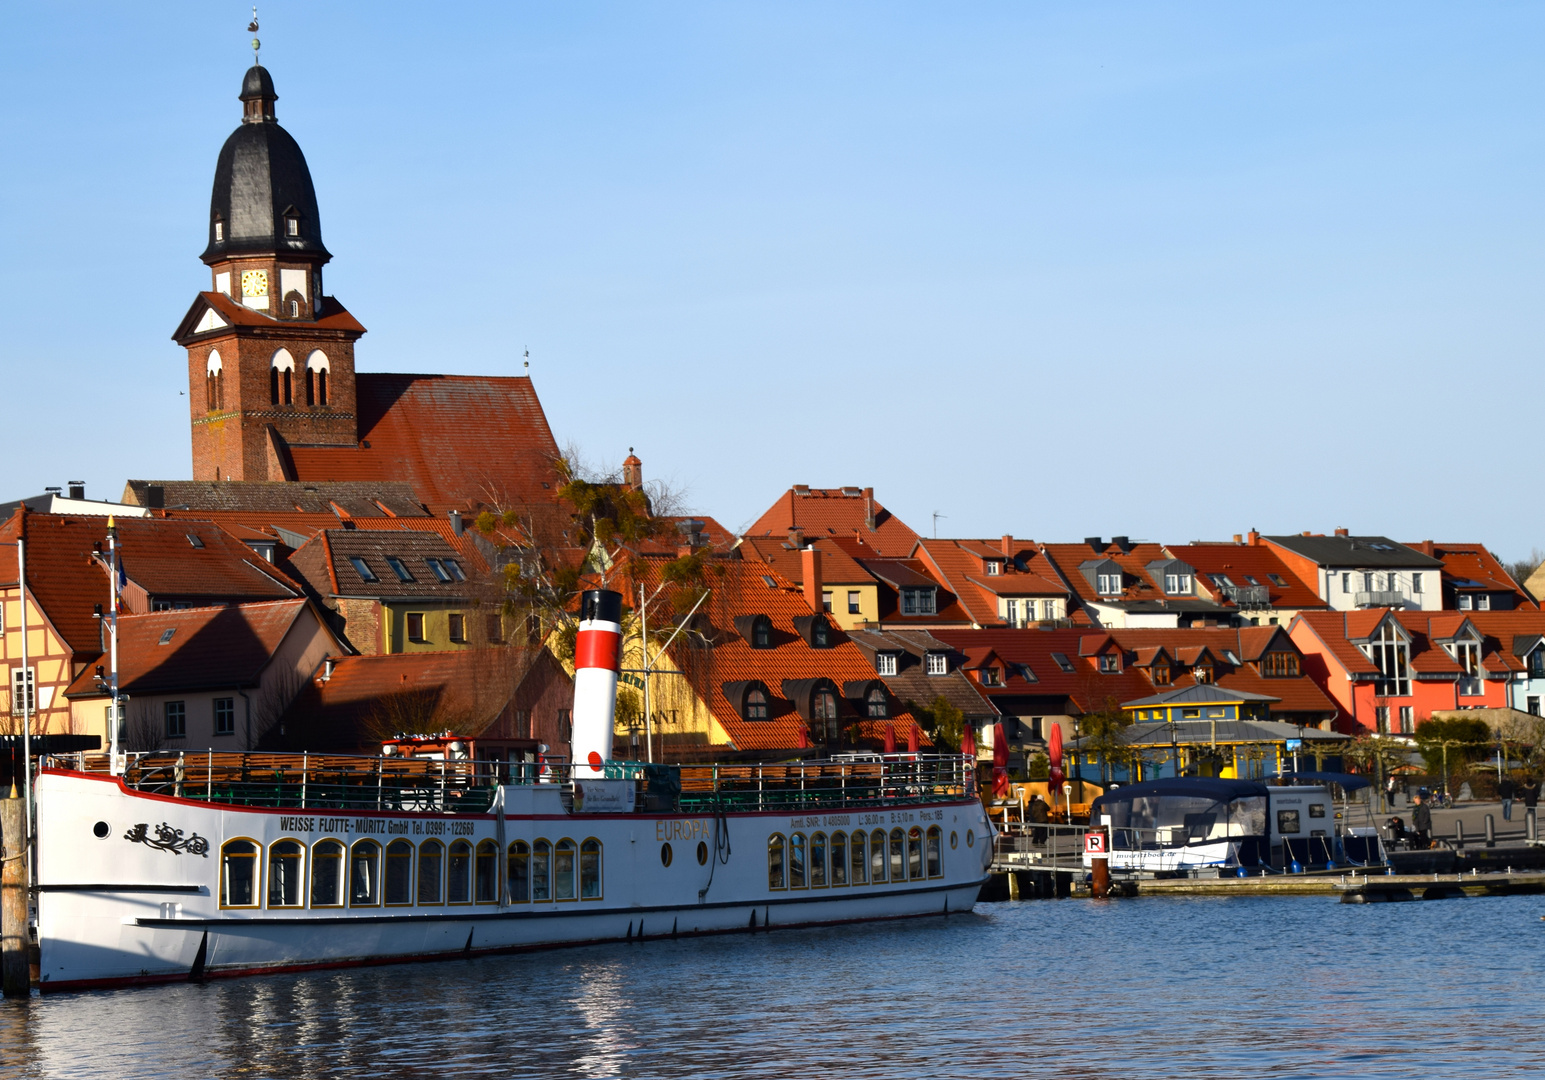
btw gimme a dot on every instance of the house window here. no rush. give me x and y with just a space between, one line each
885 663
166 635
1160 673
826 601
438 570
1537 661
1381 718
1012 607
1280 582
1464 601
853 602
875 703
1392 656
820 634
1468 655
938 664
918 602
458 629
1406 726
761 635
1108 584
1202 673
824 705
123 723
1280 665
1177 584
1346 583
362 568
989 676
522 724
1416 584
416 626
455 569
493 626
292 226
176 713
1048 610
994 568
225 716
1483 602
1367 582
1534 706
756 704
219 231
398 568
1109 664
23 690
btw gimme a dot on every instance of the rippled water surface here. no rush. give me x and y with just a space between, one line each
1300 987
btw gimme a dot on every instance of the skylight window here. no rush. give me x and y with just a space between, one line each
1251 579
455 569
437 568
362 568
398 568
166 636
195 541
1025 673
1276 579
1062 661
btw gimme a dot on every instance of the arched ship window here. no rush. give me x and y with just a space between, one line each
877 857
542 871
365 874
860 863
431 872
775 847
839 858
797 861
590 869
914 853
327 874
486 873
563 870
818 861
399 872
458 876
286 866
238 873
898 855
518 874
935 851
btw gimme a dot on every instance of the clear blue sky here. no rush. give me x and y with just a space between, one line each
1050 269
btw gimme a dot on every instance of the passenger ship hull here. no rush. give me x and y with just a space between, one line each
130 883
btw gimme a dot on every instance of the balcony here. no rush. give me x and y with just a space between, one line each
1248 596
1384 598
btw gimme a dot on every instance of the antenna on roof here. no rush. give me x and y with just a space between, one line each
936 517
252 28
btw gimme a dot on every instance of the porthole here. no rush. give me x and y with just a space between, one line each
954 840
665 854
970 838
702 853
101 829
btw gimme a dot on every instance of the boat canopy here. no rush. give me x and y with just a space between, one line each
1205 808
1349 782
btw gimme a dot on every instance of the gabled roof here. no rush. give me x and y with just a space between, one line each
1246 566
837 566
411 548
1201 694
961 566
335 499
333 317
912 684
1355 551
1077 565
205 648
836 512
1472 568
459 441
1085 687
1332 629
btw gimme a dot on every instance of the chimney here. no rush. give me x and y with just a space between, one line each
796 537
869 508
1428 548
1254 538
155 497
1238 539
632 472
1095 543
1123 542
810 560
77 489
691 531
457 526
327 668
1342 532
1007 544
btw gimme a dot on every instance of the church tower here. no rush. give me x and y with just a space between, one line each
270 356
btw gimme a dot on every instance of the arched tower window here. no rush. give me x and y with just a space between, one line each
281 378
316 378
214 383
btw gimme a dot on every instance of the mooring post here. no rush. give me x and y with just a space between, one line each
1531 824
13 900
1459 834
1491 831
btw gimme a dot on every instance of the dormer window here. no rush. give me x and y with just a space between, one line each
1202 673
1108 584
885 663
1537 662
219 231
994 568
938 664
989 676
1160 674
1109 664
1280 665
1177 584
820 634
918 601
875 704
291 225
756 705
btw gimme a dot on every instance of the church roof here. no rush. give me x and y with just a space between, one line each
260 176
461 442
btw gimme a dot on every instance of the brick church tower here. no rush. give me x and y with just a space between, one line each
270 357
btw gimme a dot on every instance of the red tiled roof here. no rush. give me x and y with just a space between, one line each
1333 629
961 566
1296 693
336 317
835 512
210 648
1137 585
837 566
1085 687
1471 568
913 572
1241 562
462 441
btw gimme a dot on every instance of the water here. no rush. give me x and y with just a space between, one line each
1160 987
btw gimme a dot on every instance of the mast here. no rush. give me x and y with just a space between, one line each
28 690
114 766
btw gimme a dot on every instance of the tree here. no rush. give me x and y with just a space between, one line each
943 721
1452 742
1522 569
1103 734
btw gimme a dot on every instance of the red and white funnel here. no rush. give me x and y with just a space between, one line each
597 656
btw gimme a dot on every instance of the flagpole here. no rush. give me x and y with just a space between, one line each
28 689
113 721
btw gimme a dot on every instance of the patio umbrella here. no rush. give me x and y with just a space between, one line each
913 739
1000 762
968 741
1054 753
890 738
804 738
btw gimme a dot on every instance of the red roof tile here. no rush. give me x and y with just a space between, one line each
1240 563
835 512
1472 568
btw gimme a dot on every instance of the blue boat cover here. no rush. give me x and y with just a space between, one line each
1348 781
1199 787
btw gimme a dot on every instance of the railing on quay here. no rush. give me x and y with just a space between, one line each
461 785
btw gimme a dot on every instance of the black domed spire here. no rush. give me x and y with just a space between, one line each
263 199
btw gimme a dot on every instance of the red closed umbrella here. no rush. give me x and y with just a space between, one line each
890 738
914 740
1000 763
804 738
1054 753
968 741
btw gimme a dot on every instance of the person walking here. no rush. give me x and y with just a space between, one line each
1506 789
1037 815
1421 822
1529 792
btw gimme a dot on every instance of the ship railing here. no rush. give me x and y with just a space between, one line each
462 785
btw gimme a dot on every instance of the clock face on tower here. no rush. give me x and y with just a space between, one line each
254 283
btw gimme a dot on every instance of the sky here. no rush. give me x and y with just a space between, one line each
1050 269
